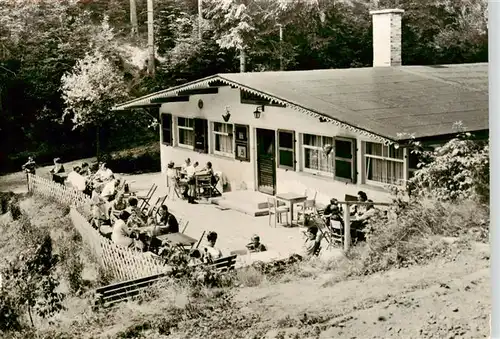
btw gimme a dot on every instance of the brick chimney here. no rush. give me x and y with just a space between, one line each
387 37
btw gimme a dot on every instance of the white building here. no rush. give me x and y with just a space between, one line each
270 131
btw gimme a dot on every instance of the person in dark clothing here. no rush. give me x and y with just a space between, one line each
57 170
255 245
30 166
168 222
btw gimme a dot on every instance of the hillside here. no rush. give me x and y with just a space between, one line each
446 298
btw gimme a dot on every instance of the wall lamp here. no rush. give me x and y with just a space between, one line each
227 115
258 111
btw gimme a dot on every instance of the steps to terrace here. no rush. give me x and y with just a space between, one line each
249 202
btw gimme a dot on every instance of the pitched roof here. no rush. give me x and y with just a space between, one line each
386 101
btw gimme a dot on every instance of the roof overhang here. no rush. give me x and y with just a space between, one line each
206 82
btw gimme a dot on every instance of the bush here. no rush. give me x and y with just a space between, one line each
410 238
457 170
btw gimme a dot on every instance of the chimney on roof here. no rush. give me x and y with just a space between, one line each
386 37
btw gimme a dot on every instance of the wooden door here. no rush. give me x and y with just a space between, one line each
266 161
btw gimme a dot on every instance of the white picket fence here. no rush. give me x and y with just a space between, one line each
123 263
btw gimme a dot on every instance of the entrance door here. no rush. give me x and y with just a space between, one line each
266 161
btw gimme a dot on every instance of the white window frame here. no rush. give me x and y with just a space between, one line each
179 127
215 133
320 149
352 160
402 161
279 148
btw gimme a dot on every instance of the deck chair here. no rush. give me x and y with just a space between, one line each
277 212
156 207
144 205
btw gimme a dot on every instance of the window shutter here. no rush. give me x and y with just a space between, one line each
241 142
201 135
166 126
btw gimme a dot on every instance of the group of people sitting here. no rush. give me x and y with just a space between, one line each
360 215
187 177
131 226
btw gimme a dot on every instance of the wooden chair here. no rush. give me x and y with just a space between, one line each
273 209
203 185
337 232
307 210
144 205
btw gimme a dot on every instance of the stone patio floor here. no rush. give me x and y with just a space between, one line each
234 228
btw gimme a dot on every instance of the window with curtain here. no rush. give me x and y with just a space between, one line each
185 130
315 159
223 139
384 164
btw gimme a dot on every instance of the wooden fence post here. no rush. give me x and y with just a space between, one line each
347 227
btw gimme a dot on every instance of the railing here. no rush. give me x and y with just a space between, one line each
64 195
124 263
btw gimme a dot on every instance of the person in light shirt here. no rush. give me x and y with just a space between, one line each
191 181
210 252
110 189
76 180
104 173
121 234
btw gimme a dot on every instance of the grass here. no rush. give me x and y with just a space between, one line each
181 309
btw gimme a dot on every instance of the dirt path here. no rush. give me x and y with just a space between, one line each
449 298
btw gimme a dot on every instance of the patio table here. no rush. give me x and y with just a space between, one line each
292 199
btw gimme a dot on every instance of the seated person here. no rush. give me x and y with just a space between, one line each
195 257
121 232
99 209
255 245
104 174
56 170
331 209
210 252
137 218
167 222
117 206
313 242
359 223
359 209
85 170
209 170
110 189
76 180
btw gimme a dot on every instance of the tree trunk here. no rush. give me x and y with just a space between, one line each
133 18
242 60
31 317
97 144
151 37
200 19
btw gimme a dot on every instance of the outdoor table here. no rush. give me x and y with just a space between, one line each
292 199
177 239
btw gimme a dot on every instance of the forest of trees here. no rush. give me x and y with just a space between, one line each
64 63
